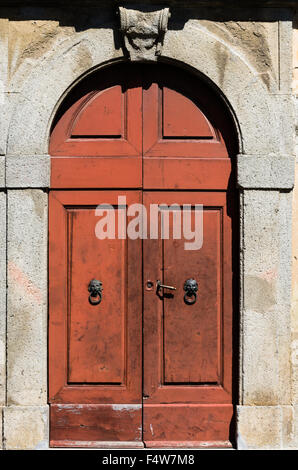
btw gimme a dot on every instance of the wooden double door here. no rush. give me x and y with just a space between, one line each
138 154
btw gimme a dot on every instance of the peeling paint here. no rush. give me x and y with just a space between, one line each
139 433
126 407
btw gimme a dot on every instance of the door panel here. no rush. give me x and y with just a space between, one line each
187 425
92 425
187 348
182 119
159 144
140 365
160 173
95 350
191 342
101 115
99 136
184 147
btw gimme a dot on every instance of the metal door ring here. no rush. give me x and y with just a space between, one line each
95 300
190 299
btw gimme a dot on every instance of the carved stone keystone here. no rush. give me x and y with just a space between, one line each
143 32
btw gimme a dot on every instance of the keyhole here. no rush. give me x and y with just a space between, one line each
149 285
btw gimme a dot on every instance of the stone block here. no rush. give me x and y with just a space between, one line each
28 171
265 321
2 172
265 171
285 54
259 427
26 428
4 28
27 297
295 42
2 297
1 434
288 427
295 81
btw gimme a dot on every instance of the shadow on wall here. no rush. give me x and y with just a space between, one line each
235 26
90 15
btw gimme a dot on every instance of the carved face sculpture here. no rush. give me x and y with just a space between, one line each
143 32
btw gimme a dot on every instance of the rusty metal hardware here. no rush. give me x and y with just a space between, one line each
160 286
191 289
95 289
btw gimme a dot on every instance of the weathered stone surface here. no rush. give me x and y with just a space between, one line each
289 436
294 304
284 115
265 171
4 24
2 172
285 55
283 319
294 353
1 420
48 82
293 438
2 297
259 43
27 297
26 427
259 427
295 41
24 171
296 126
295 81
29 41
266 309
222 64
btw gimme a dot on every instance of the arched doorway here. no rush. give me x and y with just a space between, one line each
150 357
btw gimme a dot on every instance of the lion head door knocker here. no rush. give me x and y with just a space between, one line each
191 289
95 289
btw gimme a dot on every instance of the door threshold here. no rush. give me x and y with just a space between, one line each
98 444
118 445
189 444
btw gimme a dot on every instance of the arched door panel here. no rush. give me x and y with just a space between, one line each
96 140
185 134
145 365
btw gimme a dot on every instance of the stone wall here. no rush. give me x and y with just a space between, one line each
247 54
294 306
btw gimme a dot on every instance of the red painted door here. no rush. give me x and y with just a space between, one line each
187 347
145 364
95 349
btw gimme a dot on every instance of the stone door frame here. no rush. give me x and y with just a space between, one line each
265 177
